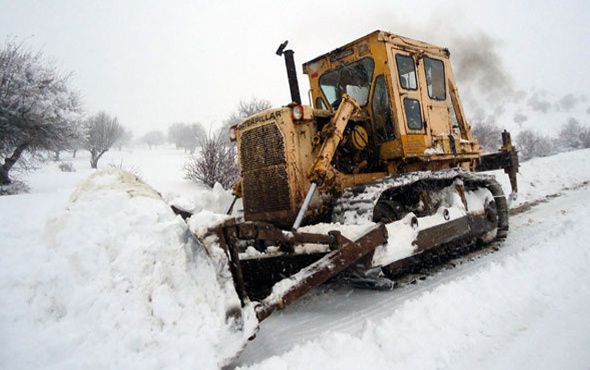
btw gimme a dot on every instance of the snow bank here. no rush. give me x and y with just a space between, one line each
202 198
540 177
123 284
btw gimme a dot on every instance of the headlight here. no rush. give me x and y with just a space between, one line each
297 112
233 133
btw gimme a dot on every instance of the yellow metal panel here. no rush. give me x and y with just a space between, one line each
391 150
413 144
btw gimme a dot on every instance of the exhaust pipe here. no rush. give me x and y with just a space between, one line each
291 71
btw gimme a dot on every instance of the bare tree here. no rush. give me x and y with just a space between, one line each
194 135
38 110
77 144
531 145
253 106
585 137
124 140
187 136
244 110
103 131
153 138
573 135
216 162
489 136
176 132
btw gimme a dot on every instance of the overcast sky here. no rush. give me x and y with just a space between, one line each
153 63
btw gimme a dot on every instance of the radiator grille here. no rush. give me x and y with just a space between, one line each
262 147
264 170
266 190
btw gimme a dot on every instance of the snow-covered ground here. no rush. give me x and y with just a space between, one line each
107 278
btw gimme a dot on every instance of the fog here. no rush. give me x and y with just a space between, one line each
152 63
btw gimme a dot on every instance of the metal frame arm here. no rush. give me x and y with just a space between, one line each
320 170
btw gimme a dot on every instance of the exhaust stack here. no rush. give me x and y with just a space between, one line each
291 71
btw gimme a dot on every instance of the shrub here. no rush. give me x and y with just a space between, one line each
216 161
66 167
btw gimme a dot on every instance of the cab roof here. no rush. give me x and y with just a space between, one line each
396 41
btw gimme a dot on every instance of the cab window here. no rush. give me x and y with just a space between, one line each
353 79
435 78
406 71
382 111
413 114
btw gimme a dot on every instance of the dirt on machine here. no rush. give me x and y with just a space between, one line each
379 174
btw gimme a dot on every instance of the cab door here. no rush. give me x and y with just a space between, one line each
432 79
414 133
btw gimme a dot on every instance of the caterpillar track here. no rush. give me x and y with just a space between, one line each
357 204
421 194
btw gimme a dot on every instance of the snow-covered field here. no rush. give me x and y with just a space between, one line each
94 275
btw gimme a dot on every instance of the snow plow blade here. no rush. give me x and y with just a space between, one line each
346 253
274 280
296 274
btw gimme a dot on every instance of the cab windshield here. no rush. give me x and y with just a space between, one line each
353 79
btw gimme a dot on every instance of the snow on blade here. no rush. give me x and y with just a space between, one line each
127 286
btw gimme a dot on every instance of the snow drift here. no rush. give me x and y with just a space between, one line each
126 285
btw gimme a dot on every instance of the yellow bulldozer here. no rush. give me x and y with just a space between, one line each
378 177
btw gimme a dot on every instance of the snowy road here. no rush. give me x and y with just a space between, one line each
500 311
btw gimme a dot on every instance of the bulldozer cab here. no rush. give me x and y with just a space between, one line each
405 88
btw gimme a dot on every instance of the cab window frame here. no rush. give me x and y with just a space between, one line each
400 57
408 112
430 81
320 104
386 132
